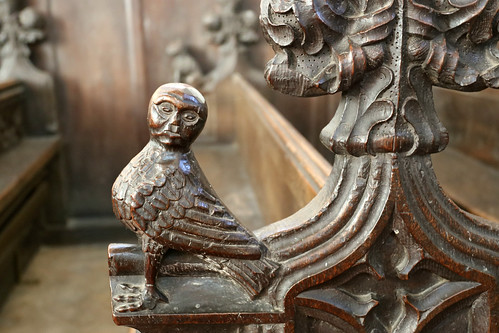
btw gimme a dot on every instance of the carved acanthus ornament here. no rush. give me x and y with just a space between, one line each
380 248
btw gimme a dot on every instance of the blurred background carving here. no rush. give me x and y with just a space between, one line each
18 30
232 31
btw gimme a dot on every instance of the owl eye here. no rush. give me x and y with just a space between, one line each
190 116
166 108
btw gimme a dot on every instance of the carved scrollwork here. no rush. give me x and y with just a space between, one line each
448 37
357 43
386 107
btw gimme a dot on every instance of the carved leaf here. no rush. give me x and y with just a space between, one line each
452 35
324 46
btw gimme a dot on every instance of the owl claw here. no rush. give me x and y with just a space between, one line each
145 298
130 288
127 298
151 296
131 307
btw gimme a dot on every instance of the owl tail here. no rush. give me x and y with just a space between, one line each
252 275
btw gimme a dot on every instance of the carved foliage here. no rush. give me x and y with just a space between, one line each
324 46
232 24
231 31
447 38
18 29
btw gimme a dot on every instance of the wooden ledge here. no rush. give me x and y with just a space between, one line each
11 90
204 299
196 300
22 164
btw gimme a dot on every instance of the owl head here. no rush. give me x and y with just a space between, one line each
177 114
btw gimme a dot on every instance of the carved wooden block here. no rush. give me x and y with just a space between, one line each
380 248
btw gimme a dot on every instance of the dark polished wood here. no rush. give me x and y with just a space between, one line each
380 248
163 196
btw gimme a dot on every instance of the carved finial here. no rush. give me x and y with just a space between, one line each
232 25
385 56
387 209
163 197
18 30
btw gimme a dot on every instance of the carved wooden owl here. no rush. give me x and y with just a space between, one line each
163 196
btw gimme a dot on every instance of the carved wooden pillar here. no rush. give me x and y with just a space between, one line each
381 248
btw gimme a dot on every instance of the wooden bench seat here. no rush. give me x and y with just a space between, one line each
277 155
30 196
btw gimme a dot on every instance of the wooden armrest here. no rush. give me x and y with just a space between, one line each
20 166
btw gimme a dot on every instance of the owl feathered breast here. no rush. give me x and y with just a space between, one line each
165 196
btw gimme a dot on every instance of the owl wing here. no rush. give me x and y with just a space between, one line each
127 188
178 210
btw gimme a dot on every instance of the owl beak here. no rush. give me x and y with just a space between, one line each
172 128
172 133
